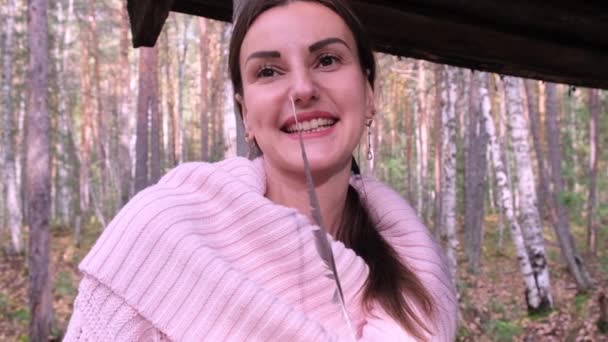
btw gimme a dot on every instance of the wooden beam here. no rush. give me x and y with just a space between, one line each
561 41
147 18
469 44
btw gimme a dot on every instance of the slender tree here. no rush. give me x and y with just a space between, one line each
86 132
409 144
594 111
148 60
182 52
64 142
475 171
9 170
536 277
528 209
124 113
570 253
242 149
534 119
172 114
437 162
38 172
449 167
204 115
422 127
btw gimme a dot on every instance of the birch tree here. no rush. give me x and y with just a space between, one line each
422 127
535 276
594 111
562 226
437 160
38 172
204 115
528 209
9 172
448 162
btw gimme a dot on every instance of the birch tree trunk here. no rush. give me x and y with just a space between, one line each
438 155
529 217
475 170
536 280
562 227
86 134
204 115
409 141
422 166
594 111
181 64
38 172
13 204
449 167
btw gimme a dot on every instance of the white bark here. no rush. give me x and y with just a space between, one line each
10 175
423 141
448 191
529 216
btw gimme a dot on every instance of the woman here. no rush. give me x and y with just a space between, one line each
226 251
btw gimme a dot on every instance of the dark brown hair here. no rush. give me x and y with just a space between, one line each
390 281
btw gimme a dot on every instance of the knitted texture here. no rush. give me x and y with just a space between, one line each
203 255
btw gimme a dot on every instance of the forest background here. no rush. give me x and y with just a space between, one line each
508 174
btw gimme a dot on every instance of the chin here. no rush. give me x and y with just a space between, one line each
321 165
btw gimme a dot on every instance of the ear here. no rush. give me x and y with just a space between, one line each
239 99
369 101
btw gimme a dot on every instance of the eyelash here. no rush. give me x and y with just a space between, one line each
263 68
334 58
266 67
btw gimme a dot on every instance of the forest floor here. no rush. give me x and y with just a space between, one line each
492 303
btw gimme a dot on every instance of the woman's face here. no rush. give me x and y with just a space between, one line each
304 51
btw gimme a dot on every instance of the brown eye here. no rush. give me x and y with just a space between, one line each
265 72
327 60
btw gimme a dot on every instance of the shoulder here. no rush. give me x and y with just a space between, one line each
161 214
399 224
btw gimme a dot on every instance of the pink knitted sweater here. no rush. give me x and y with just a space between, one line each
203 255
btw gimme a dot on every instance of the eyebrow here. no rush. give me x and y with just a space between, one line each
312 48
327 41
264 54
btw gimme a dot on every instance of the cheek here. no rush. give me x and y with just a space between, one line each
261 106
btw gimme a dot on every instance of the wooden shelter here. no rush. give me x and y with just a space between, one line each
559 41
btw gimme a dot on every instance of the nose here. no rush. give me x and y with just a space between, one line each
304 90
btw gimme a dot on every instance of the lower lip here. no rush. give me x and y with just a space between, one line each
312 135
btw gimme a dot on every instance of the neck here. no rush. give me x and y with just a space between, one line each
290 190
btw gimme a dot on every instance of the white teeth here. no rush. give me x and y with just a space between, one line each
313 125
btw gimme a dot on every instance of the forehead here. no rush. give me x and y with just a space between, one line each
294 25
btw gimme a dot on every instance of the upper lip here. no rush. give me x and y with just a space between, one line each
306 116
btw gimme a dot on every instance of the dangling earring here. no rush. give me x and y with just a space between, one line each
370 152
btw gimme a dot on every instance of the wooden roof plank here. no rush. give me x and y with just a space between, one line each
562 41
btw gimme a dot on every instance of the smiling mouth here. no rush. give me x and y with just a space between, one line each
309 126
